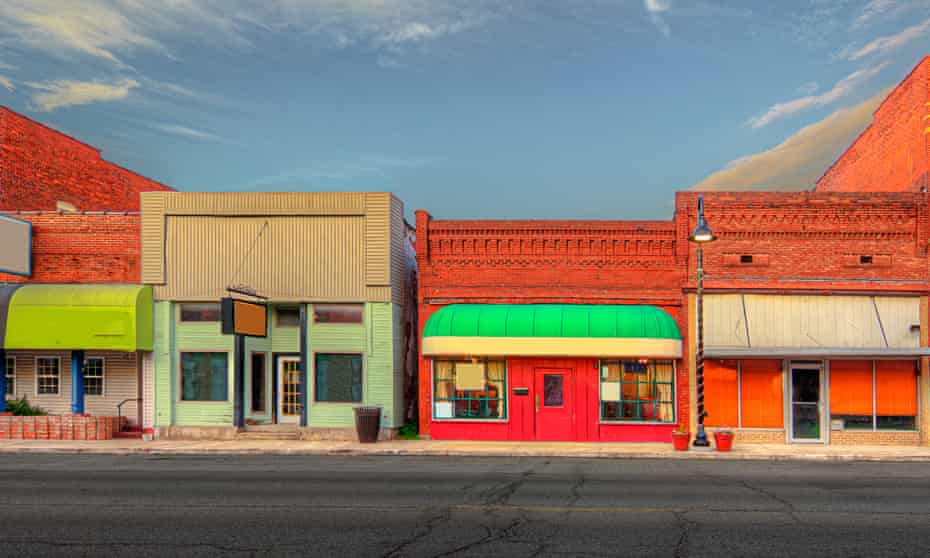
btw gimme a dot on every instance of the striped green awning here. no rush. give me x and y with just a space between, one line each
72 317
552 330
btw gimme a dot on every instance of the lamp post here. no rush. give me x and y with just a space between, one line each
700 236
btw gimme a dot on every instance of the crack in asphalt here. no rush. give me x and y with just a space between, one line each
788 506
682 548
431 523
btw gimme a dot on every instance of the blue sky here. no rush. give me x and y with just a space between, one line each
470 109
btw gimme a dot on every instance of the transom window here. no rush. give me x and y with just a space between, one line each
469 390
638 390
48 375
11 376
200 312
287 316
338 313
93 376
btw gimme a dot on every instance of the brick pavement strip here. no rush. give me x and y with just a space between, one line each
465 448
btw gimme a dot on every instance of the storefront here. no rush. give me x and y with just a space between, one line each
840 369
333 270
554 372
76 349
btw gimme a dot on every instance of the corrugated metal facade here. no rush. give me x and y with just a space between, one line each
758 321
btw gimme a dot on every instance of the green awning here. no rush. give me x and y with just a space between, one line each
552 330
72 317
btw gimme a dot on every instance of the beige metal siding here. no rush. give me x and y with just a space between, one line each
810 322
120 381
266 203
378 240
285 258
398 252
153 237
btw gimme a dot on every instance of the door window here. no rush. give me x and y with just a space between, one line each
805 404
552 390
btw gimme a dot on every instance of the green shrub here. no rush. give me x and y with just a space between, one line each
21 408
409 431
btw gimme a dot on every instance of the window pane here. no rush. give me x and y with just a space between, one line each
895 388
205 312
287 316
204 377
762 394
451 401
93 376
851 388
47 376
552 390
854 422
338 313
258 382
638 390
338 378
10 376
896 422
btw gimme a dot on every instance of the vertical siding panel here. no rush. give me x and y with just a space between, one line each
152 205
378 239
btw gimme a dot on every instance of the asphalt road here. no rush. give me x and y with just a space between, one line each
404 506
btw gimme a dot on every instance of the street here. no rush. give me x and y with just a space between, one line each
405 506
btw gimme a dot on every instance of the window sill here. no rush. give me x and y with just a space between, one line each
636 422
471 420
194 402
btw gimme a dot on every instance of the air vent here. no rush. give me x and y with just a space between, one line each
865 260
745 259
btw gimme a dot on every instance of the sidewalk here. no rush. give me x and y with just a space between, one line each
465 448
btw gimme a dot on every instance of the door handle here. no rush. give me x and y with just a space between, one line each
537 402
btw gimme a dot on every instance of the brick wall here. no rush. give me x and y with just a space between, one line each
893 153
82 248
40 166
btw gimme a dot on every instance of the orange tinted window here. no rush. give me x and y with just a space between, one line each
850 387
721 393
762 396
895 388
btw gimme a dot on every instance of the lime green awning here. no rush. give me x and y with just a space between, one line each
552 330
72 317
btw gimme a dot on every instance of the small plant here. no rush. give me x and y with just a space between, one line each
409 431
21 408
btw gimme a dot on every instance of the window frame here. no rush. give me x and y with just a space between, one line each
180 378
277 322
57 359
874 415
504 398
10 359
103 376
180 316
264 410
361 356
629 421
313 321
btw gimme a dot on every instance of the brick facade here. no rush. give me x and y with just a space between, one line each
82 248
40 166
893 153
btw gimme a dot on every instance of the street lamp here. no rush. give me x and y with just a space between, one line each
700 236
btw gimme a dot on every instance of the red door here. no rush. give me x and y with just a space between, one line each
555 409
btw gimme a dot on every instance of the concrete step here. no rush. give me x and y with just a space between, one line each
128 435
266 435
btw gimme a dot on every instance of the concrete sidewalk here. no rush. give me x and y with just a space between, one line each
466 448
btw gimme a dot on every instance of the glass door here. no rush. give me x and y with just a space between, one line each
806 403
289 390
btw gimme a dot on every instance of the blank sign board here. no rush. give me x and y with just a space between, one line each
15 246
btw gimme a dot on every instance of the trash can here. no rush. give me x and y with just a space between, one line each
367 424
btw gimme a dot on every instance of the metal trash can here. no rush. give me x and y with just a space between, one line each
367 424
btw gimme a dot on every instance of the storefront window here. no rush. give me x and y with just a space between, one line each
338 378
874 395
338 313
469 390
204 377
205 312
638 390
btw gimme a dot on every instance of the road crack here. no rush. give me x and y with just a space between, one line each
787 506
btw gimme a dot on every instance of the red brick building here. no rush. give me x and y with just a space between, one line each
40 166
806 295
893 153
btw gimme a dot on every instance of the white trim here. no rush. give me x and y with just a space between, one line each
819 367
35 373
103 376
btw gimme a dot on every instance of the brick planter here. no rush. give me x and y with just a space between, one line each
57 427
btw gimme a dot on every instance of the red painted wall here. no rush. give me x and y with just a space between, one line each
40 166
82 248
893 153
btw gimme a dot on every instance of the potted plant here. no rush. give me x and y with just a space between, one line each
681 439
724 440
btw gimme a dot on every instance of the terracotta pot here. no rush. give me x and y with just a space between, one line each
681 440
724 440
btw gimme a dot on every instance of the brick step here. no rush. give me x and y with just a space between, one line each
128 435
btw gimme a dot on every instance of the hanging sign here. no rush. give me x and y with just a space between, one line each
240 317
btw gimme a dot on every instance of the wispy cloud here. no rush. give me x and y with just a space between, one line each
7 83
52 95
873 10
656 9
340 171
889 42
186 132
842 88
798 162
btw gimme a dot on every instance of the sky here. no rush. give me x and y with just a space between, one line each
596 109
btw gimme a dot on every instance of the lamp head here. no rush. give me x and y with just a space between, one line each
701 233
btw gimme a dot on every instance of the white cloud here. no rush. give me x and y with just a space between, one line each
798 162
889 42
186 132
842 88
52 95
7 83
656 8
871 11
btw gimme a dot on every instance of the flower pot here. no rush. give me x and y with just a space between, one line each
681 440
724 440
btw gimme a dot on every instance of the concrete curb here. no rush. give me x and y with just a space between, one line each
401 452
